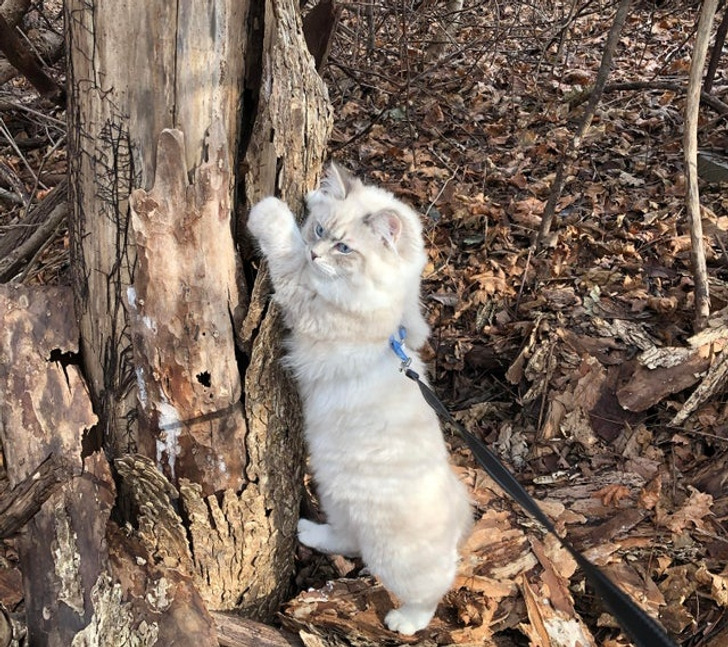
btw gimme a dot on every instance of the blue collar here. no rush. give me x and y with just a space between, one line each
400 350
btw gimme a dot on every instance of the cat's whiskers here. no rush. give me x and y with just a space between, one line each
321 265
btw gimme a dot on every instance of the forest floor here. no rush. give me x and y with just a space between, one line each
576 362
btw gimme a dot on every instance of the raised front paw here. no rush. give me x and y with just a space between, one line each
270 216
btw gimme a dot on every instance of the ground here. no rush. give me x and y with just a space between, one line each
576 361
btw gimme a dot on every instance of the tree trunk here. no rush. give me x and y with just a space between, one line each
197 508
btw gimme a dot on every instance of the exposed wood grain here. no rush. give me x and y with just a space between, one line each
235 631
184 344
23 502
86 582
121 98
45 409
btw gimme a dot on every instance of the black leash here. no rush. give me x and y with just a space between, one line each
641 628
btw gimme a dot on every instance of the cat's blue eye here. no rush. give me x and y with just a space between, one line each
318 230
342 248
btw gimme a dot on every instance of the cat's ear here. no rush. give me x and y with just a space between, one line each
387 224
337 182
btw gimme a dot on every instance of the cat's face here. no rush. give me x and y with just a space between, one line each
358 233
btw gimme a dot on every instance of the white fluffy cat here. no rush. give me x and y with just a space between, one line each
346 281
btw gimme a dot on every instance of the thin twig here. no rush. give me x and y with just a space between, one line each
572 148
715 57
441 191
10 265
690 149
523 281
8 136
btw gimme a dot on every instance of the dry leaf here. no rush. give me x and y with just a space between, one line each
692 512
718 584
612 495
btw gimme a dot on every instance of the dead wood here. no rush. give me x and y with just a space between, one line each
17 53
85 581
20 504
716 104
690 151
159 303
18 234
14 261
50 49
214 540
36 327
714 382
716 53
649 385
14 10
574 144
319 29
236 631
180 305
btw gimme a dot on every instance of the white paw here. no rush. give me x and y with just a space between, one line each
270 214
309 533
408 619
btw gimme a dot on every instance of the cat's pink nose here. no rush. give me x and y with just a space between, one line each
314 255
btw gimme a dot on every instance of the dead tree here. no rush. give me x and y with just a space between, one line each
187 474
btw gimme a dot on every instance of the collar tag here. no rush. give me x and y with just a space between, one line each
400 350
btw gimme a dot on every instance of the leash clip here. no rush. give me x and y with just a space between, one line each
397 345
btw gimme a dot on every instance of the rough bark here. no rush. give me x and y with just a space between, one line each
86 582
283 151
22 503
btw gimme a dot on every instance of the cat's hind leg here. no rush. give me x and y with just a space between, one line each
410 618
419 578
324 538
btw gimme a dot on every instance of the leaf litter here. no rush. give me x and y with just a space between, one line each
576 363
